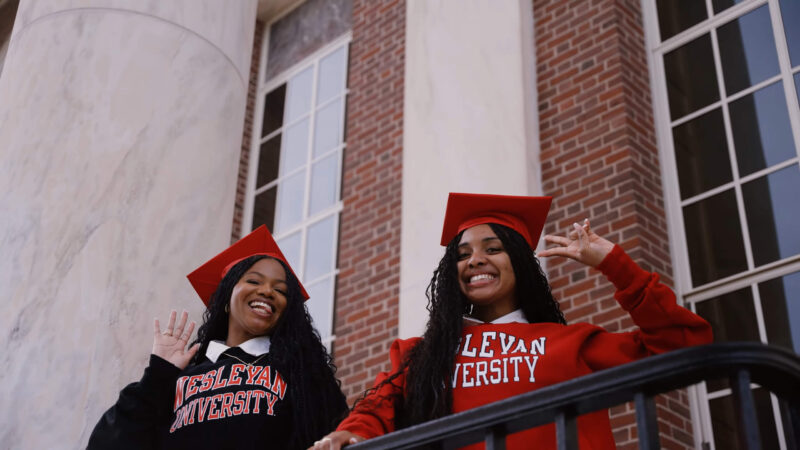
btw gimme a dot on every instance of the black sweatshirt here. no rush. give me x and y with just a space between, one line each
221 405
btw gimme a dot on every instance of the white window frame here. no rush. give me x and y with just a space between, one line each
687 294
264 87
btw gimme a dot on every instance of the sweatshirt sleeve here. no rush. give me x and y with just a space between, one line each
141 410
662 324
373 415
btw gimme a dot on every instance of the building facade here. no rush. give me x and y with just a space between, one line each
139 137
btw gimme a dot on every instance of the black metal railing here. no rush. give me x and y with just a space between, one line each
774 369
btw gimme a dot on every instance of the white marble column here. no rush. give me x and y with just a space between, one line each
470 123
120 129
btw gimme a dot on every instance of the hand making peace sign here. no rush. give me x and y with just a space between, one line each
171 343
581 244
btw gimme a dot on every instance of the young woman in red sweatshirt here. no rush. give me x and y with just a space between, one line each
496 331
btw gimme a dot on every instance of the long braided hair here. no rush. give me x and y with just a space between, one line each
296 351
429 393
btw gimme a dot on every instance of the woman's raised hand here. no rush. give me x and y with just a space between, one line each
336 440
581 244
170 344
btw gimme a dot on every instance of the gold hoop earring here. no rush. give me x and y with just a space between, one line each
227 308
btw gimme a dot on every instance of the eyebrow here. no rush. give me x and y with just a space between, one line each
486 239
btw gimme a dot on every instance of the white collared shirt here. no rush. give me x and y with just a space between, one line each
256 347
516 316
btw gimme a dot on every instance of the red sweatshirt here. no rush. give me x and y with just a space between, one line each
497 361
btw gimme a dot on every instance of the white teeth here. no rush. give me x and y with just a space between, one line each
260 304
483 276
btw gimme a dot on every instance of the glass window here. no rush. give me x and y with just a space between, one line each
733 318
714 238
762 134
721 5
747 50
701 152
691 77
725 421
780 303
674 17
273 110
772 215
298 173
790 14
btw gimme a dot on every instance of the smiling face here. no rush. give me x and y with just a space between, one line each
485 273
257 302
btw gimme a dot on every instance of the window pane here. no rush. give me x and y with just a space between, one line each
298 97
762 133
328 128
264 209
721 5
290 202
268 160
725 421
714 238
701 153
674 17
331 75
797 85
733 318
691 77
319 249
295 147
324 181
290 246
273 110
780 302
320 306
790 13
772 216
747 50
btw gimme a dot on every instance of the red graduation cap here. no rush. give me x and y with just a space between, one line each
525 215
207 277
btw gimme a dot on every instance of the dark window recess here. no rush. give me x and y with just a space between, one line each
273 110
691 77
770 204
268 161
762 134
264 208
726 425
733 319
722 5
674 17
780 303
747 50
714 238
701 153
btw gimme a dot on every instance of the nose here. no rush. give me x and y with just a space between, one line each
476 259
265 290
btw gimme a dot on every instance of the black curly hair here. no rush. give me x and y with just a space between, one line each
429 365
296 351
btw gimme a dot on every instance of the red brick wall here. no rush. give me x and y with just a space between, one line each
367 292
599 160
247 134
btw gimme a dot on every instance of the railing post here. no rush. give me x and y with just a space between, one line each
743 400
566 431
495 439
646 422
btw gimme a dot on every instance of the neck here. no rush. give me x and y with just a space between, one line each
489 313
